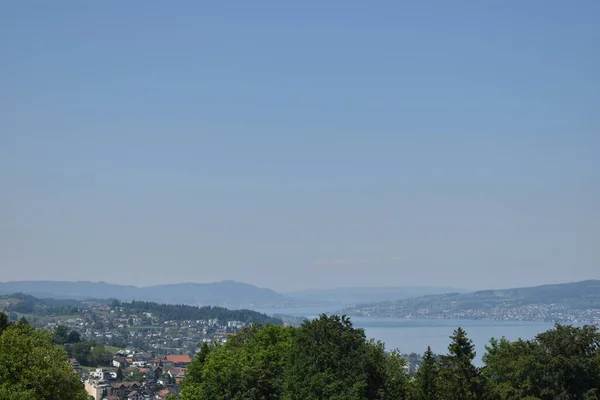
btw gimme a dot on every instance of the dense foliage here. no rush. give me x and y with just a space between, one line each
31 367
328 358
563 363
179 312
63 336
89 353
322 359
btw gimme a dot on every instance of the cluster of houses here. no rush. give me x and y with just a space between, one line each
142 376
113 327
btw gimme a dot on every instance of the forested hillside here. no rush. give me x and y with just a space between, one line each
179 312
27 304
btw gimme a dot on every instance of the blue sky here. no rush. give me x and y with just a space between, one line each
300 144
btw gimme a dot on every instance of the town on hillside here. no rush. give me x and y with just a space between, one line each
139 375
132 351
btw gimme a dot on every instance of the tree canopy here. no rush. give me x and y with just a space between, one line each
458 376
327 358
179 312
89 353
562 363
31 367
27 304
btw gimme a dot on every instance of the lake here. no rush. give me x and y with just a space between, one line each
414 335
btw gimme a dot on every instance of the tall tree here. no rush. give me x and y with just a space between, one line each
426 386
194 370
396 379
458 375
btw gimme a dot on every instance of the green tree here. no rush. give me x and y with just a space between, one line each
326 358
507 365
330 359
250 366
561 363
61 334
458 376
425 382
31 367
4 322
570 360
100 356
194 370
81 352
119 374
73 337
396 380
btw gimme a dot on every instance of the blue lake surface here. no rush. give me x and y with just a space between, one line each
414 335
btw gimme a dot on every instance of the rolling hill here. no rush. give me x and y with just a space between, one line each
567 301
362 295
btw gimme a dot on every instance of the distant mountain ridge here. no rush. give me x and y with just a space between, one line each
224 293
227 293
376 301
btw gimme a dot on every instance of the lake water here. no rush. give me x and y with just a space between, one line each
414 335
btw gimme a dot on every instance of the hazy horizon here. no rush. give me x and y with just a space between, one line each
290 291
304 145
220 281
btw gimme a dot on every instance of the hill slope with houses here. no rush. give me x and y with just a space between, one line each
566 302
